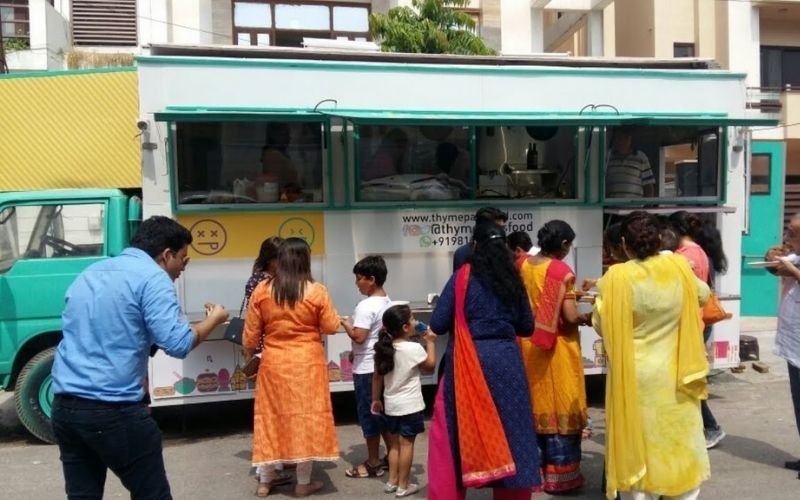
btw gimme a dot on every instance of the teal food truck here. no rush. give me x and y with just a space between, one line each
385 153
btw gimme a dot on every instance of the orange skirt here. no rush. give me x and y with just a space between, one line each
293 419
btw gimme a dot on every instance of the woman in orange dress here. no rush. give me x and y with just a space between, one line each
293 420
553 360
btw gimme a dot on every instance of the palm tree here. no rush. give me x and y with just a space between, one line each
428 27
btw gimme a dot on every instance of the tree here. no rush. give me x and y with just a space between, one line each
429 27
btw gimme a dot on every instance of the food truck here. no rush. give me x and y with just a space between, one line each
392 154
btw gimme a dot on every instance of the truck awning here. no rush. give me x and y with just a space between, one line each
458 117
206 114
479 118
489 118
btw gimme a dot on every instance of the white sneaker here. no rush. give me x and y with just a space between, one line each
389 488
713 437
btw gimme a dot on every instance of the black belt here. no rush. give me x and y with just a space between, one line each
78 402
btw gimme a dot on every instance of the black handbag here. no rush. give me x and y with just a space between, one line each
235 328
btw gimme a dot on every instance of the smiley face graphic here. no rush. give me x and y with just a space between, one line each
208 237
297 227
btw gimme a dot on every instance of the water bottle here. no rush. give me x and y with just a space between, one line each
419 331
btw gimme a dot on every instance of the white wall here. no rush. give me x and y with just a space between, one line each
192 21
49 39
744 41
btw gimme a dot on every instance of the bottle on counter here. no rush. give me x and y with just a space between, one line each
532 158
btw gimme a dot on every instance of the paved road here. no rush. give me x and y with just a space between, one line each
207 449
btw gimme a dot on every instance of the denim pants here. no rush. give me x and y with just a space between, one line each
709 422
794 386
94 436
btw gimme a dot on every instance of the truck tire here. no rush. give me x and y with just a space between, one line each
33 396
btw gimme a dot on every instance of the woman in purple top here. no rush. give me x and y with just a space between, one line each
264 265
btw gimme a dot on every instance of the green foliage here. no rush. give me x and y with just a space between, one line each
429 27
12 44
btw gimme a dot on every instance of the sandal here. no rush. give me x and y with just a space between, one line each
385 463
367 471
410 490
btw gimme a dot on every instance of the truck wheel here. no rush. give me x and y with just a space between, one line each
33 396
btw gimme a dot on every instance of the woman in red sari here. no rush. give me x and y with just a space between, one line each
553 360
482 431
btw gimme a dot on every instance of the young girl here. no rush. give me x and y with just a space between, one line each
398 360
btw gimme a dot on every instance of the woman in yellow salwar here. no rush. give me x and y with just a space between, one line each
646 312
553 360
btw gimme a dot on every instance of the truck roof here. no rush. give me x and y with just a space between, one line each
58 194
544 59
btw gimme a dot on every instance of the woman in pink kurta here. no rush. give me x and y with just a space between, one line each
701 244
293 419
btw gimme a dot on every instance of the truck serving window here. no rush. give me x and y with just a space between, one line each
433 163
414 163
527 162
249 162
668 163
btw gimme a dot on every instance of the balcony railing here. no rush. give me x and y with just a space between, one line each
14 20
765 99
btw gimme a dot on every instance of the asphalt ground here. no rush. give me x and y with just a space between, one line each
207 447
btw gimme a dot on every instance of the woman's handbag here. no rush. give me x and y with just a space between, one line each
713 312
235 328
250 369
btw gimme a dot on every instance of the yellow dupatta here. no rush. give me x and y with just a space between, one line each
625 451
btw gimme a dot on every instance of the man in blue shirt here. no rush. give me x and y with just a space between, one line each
115 311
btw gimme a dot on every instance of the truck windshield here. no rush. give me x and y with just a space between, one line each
9 244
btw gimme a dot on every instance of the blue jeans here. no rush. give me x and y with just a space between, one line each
94 436
794 386
371 425
709 422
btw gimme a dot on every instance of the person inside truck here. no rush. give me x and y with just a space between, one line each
276 165
388 158
115 311
628 172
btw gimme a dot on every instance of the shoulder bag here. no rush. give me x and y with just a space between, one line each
235 328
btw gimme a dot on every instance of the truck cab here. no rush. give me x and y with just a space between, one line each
46 239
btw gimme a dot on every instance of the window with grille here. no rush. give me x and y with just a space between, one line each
14 19
285 23
104 22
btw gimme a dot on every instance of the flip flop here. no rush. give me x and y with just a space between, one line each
369 471
412 488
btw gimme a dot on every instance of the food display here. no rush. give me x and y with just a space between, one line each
184 386
346 362
224 379
334 372
238 379
207 382
599 353
164 392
